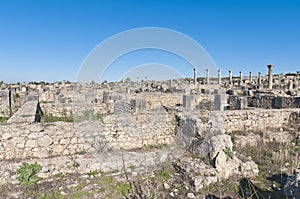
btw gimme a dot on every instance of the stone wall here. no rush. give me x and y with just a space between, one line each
269 102
152 100
59 138
257 119
122 131
61 110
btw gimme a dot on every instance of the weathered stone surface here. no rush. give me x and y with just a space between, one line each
43 153
200 182
6 136
249 169
45 141
250 139
190 195
27 113
218 143
58 149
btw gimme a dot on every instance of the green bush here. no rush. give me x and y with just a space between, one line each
27 173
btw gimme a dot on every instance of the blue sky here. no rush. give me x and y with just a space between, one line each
48 40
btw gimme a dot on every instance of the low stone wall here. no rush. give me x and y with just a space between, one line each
269 102
127 131
155 100
61 110
256 119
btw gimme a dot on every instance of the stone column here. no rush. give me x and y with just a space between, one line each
270 76
207 76
241 77
259 78
296 83
219 77
250 77
230 77
170 83
137 80
291 85
195 76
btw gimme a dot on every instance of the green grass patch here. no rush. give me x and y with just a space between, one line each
93 173
123 188
51 118
3 120
229 154
27 173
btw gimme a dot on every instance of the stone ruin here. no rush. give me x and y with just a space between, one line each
30 112
137 114
6 103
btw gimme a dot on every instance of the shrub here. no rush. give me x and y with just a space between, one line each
27 173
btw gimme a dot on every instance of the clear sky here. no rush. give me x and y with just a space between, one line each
48 40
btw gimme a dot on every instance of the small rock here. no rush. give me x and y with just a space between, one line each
166 186
44 170
63 193
172 194
6 136
191 195
45 141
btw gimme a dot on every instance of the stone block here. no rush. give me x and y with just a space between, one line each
45 141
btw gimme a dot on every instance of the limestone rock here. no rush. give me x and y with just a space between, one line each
45 141
27 113
200 182
30 144
218 143
6 136
41 153
58 149
166 186
190 195
249 169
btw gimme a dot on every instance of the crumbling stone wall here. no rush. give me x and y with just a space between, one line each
257 119
269 102
114 131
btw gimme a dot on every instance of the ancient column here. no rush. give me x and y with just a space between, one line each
291 84
259 78
207 76
170 83
195 76
250 77
230 77
241 77
270 76
219 77
137 80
